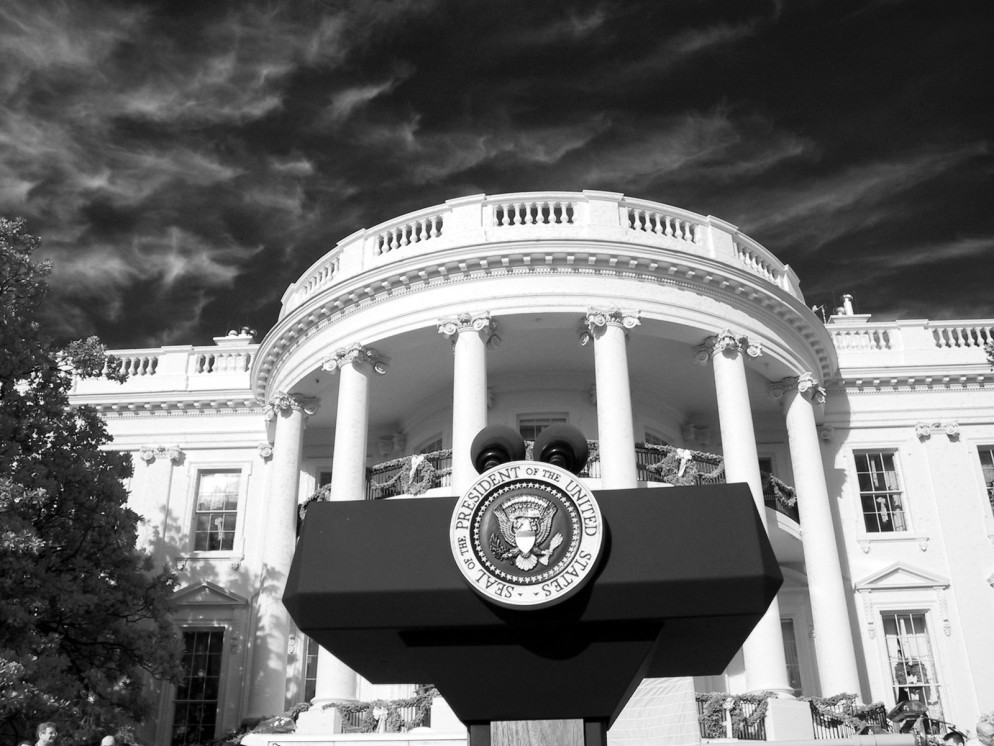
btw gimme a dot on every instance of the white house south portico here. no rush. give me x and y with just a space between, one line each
651 329
543 266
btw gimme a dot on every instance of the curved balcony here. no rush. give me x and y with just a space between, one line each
530 216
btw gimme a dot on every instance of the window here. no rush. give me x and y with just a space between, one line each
195 712
216 511
987 464
910 660
324 478
880 493
530 425
311 670
790 653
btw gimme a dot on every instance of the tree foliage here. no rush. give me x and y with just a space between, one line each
83 618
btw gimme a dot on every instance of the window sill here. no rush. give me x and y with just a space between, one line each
233 558
867 541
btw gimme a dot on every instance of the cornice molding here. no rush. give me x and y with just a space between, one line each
722 282
173 408
909 384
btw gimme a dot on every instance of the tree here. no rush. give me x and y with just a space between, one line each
84 621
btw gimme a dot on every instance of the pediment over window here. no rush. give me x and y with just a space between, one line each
901 576
207 594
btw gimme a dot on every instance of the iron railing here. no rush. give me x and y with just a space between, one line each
397 476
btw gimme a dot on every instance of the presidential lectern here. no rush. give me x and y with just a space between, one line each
530 597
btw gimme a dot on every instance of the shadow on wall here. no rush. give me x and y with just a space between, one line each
219 594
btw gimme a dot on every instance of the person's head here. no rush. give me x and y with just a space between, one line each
108 741
985 733
953 738
47 733
24 743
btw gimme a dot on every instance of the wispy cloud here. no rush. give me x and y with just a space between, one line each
816 210
184 161
942 252
715 147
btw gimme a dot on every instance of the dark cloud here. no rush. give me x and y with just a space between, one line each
185 161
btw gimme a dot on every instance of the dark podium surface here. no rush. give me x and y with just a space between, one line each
685 575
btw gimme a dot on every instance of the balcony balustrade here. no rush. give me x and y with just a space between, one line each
862 342
722 716
537 216
415 475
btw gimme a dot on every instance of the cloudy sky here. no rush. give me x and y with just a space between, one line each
184 162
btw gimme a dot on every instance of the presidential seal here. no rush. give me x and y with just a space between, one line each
526 534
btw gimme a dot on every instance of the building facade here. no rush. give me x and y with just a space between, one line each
682 349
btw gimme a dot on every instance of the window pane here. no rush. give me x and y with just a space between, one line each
790 653
987 465
531 425
310 670
911 662
216 510
880 495
195 711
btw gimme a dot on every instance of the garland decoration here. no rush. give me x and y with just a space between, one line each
783 492
417 473
365 717
319 495
843 710
744 719
682 466
414 475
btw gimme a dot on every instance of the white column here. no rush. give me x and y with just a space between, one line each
268 684
837 668
615 427
348 469
354 365
471 334
763 653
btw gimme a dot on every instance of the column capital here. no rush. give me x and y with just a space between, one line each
723 341
597 319
478 321
805 384
356 354
924 430
148 454
284 402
